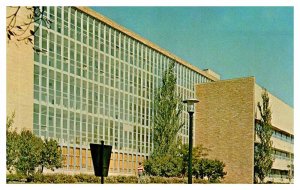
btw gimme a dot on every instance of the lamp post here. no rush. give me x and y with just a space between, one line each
190 109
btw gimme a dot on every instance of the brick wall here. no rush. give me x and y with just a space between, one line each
224 123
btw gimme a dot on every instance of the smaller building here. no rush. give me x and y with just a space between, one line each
225 123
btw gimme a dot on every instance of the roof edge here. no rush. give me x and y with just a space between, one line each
126 31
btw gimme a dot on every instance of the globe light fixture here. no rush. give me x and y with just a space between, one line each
190 109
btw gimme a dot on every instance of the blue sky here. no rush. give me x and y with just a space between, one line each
232 41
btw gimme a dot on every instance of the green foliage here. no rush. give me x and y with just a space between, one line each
164 160
11 143
173 180
170 157
11 150
53 178
30 149
176 166
198 153
263 152
85 178
10 121
121 179
164 165
25 151
291 171
15 177
51 155
202 167
167 109
212 169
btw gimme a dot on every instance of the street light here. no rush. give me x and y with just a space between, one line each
190 109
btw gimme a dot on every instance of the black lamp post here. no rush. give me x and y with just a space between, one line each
190 109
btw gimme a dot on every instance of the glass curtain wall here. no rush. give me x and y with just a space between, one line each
96 83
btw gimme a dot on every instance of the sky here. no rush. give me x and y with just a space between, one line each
232 41
235 42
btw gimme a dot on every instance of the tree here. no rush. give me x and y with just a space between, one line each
165 159
175 165
167 109
263 152
25 152
212 169
165 165
290 172
30 149
51 155
170 157
199 152
21 30
11 143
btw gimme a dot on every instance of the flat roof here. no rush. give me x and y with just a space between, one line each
124 30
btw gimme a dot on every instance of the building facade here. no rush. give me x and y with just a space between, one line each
94 80
227 128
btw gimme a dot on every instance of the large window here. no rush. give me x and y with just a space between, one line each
283 136
96 83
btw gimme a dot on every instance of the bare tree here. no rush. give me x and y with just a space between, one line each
20 29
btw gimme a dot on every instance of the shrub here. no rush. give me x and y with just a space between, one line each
30 148
25 152
163 165
50 155
53 178
121 179
15 177
85 178
212 169
12 145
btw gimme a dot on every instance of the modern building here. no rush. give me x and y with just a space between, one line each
94 80
225 123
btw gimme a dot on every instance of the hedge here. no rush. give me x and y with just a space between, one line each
85 178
